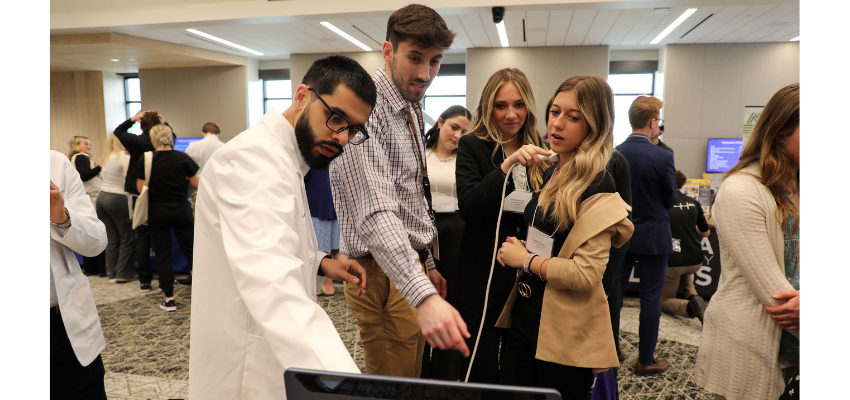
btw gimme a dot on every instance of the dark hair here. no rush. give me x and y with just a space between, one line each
434 133
327 73
422 25
661 128
680 179
149 120
211 127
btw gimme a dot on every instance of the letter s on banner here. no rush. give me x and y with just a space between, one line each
704 275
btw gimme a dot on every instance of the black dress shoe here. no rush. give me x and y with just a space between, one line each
696 307
187 281
660 365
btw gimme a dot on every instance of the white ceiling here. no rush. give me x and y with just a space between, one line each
586 25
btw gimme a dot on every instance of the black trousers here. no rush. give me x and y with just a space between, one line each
485 368
143 251
69 379
520 368
611 284
162 219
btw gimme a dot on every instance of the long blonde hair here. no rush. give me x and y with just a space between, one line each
113 147
485 128
780 118
596 104
74 143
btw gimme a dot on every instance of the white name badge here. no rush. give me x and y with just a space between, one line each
443 203
539 243
516 201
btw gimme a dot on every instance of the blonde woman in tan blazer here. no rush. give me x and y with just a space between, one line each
557 313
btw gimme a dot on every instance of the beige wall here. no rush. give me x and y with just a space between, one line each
114 104
545 67
707 87
300 63
77 108
191 97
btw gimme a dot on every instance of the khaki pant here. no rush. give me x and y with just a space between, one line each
389 329
678 278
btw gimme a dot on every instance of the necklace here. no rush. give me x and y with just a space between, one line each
443 159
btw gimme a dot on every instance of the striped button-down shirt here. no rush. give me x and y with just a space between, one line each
379 197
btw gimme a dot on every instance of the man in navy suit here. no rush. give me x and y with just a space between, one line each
653 184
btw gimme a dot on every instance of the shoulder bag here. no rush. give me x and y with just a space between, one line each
140 211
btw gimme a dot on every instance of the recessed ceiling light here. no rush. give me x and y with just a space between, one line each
115 60
224 42
132 59
503 34
346 36
796 39
685 15
662 10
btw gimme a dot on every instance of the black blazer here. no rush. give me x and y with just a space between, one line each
653 193
618 167
479 189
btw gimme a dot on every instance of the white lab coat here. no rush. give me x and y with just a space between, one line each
254 312
86 236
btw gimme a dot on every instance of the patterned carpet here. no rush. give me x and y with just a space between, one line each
145 341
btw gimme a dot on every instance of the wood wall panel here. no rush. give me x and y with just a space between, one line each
77 108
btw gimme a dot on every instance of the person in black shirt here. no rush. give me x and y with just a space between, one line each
656 140
168 208
688 226
90 175
137 145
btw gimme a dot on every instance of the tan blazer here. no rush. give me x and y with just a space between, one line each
575 325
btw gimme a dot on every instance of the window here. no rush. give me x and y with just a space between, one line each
626 88
277 94
446 90
132 100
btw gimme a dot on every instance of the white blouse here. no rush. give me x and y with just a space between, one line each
441 174
113 171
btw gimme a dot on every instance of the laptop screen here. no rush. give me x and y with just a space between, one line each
310 384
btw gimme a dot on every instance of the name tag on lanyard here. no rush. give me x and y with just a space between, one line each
444 204
517 200
539 243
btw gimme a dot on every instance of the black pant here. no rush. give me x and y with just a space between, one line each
611 284
95 265
68 378
162 219
143 251
520 368
485 368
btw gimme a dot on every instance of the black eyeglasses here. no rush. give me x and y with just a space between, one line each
338 123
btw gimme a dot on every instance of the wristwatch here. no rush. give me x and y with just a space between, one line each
66 224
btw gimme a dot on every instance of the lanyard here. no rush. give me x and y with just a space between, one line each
426 183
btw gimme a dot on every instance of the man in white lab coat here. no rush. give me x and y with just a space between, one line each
254 312
76 338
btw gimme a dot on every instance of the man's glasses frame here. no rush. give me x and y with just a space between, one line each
353 137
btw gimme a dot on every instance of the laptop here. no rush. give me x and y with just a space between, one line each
306 384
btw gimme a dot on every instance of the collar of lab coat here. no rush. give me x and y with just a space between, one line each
283 131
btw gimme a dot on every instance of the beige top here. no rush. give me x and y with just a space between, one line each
575 324
739 350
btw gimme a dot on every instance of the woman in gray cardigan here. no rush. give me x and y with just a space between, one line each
750 339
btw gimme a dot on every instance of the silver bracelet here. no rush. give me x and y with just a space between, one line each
527 264
66 224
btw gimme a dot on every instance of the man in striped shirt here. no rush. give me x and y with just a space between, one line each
378 191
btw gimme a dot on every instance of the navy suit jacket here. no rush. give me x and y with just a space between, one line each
653 193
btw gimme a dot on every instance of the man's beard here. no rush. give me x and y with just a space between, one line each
306 139
404 87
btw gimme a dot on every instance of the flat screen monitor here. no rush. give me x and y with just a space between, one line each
305 384
183 142
722 155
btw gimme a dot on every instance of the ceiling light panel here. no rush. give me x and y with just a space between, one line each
685 15
346 36
503 34
224 42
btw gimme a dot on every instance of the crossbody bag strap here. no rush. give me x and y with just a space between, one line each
148 161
